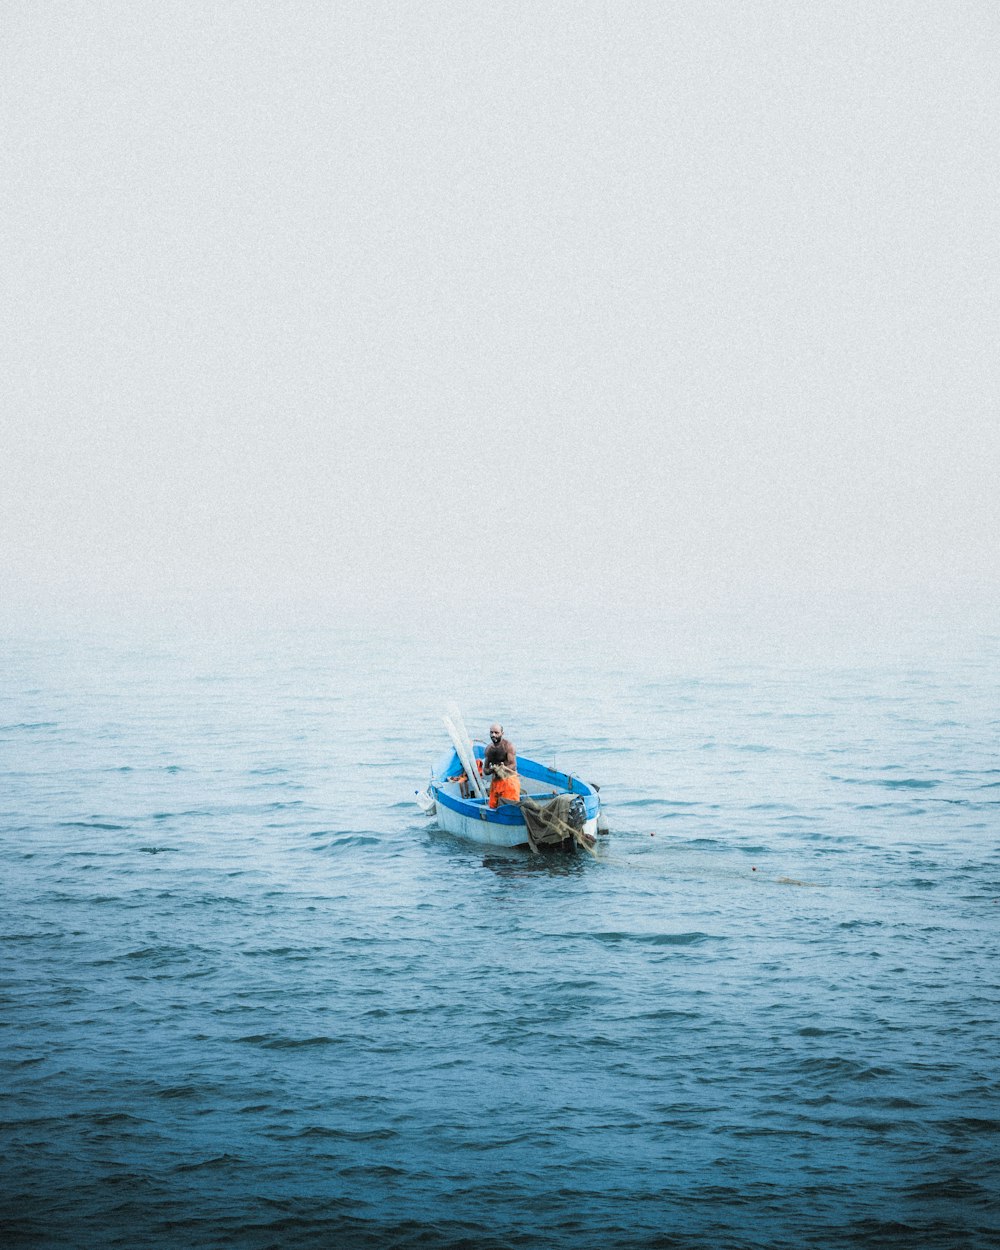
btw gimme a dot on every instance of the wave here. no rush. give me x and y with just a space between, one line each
271 1041
613 938
344 840
888 783
656 802
211 1164
91 824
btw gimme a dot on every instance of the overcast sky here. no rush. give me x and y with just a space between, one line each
677 304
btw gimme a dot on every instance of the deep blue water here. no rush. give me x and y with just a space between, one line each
250 997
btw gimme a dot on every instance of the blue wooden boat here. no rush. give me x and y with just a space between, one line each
459 809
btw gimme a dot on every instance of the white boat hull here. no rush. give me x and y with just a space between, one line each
488 834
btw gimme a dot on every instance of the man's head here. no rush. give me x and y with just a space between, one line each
496 732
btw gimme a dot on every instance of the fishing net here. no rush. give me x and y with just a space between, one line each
556 821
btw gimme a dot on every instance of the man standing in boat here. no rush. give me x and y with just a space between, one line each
500 765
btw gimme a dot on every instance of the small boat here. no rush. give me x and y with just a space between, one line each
561 809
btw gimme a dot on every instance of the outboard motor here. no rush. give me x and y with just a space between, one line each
576 817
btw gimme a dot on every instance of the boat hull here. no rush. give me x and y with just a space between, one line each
489 834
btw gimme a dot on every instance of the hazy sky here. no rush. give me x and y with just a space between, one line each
681 304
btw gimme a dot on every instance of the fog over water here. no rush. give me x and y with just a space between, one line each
327 310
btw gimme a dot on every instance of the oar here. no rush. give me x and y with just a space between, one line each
462 750
459 723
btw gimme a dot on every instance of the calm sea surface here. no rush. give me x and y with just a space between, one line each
250 997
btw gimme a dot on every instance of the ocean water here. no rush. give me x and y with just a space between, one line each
249 996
